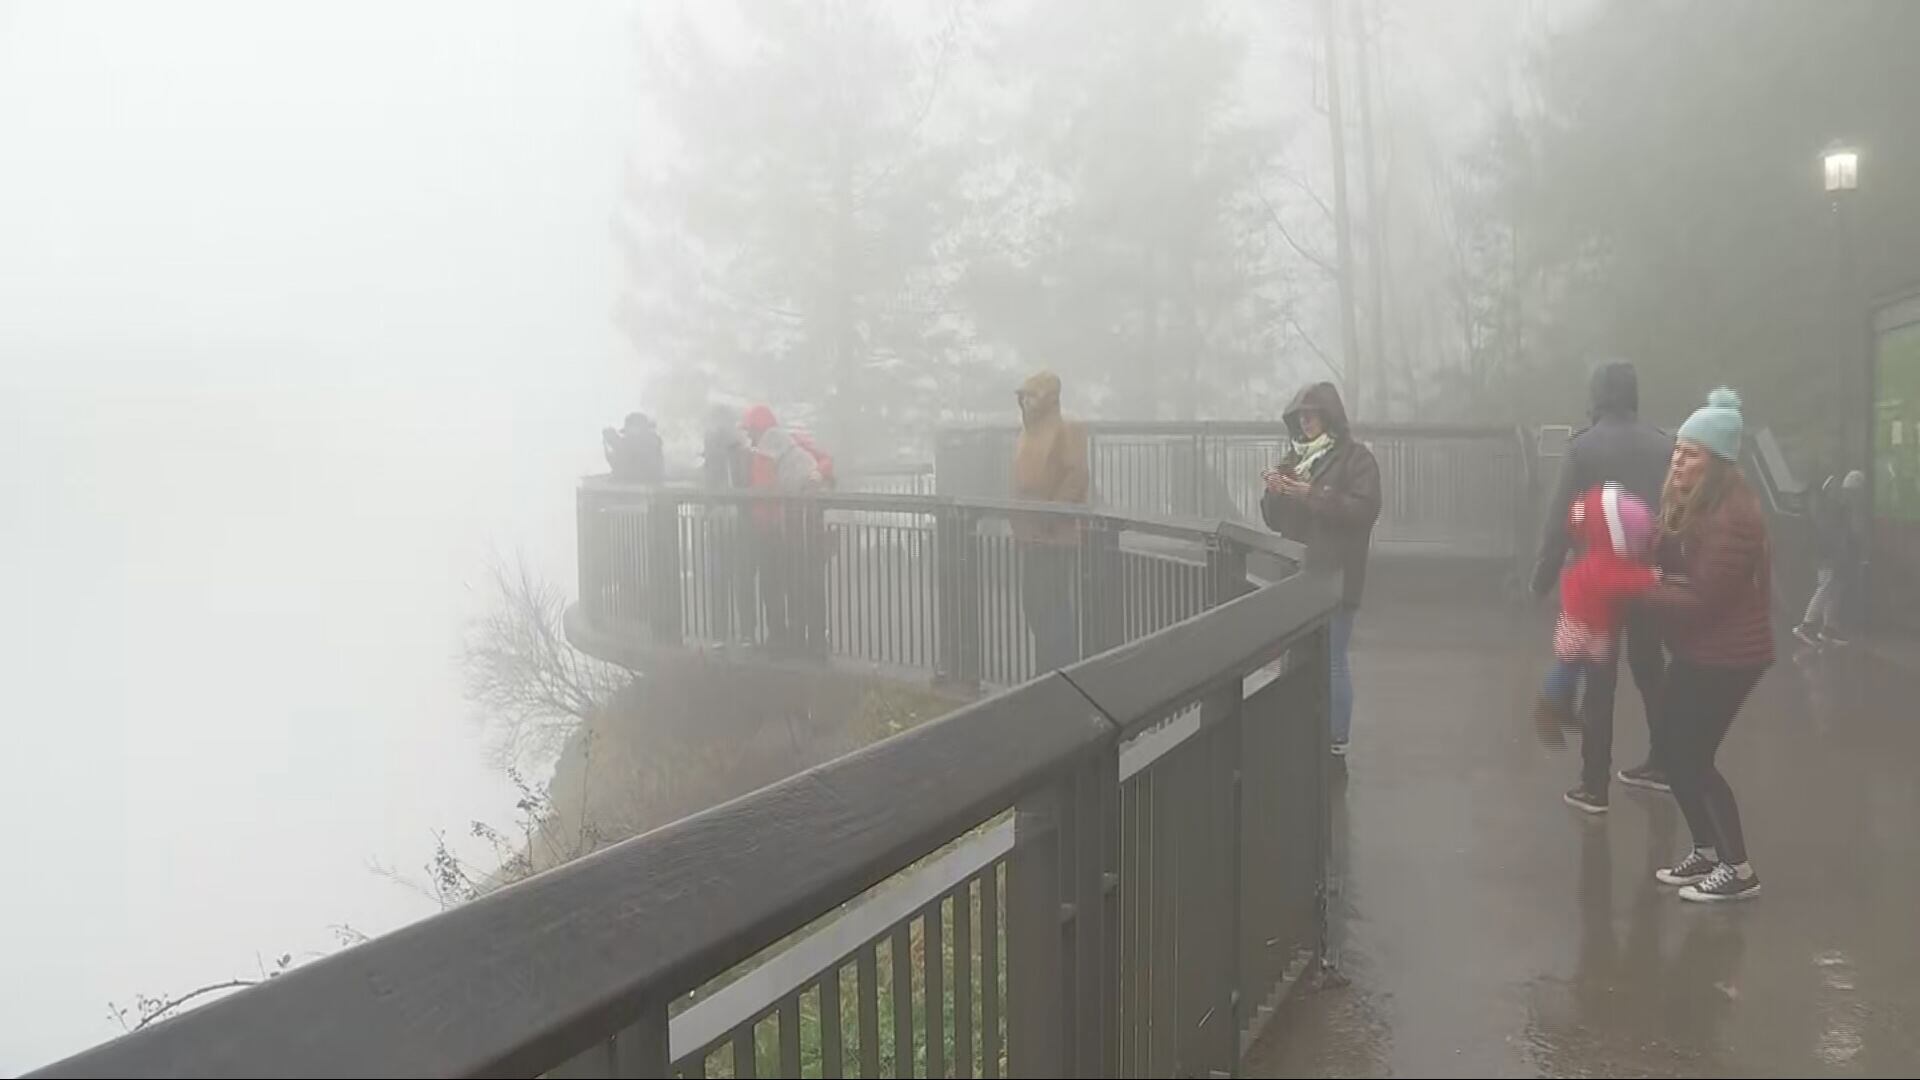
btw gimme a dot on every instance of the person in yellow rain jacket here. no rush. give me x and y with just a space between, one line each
1049 465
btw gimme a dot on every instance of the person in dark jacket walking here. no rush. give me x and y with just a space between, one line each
1325 493
1839 528
726 464
1617 448
1716 612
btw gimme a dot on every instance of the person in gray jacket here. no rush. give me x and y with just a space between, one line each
1616 447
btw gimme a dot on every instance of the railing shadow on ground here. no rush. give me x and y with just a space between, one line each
1116 868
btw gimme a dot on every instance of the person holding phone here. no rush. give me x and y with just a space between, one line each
1325 493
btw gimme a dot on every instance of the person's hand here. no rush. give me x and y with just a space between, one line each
1293 487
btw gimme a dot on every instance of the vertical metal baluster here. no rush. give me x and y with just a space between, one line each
930 566
883 599
903 1000
963 981
1127 1014
933 989
897 610
831 1064
746 1055
1140 892
868 969
790 1035
990 972
996 614
982 603
1164 1046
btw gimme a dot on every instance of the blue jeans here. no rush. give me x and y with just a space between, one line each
1339 636
1563 682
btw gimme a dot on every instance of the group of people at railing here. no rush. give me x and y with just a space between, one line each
1323 493
1659 546
761 559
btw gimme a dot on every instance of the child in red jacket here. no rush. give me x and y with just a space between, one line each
1613 532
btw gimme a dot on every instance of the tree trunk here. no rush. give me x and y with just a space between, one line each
1376 217
1342 225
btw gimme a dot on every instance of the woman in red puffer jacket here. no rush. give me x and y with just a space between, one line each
1716 610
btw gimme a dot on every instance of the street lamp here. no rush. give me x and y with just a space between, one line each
1842 169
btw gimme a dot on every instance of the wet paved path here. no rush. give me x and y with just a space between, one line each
1487 929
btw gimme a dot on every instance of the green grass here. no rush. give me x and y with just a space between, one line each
720 1061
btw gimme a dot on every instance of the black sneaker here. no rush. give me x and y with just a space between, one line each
1648 776
1722 885
1695 868
1585 801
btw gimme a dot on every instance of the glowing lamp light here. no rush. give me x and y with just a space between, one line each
1842 170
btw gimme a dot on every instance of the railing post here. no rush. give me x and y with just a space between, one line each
1322 659
663 589
1194 504
590 527
1207 910
1063 956
1035 1012
957 593
1226 571
1101 608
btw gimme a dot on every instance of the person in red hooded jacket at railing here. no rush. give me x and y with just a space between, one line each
789 537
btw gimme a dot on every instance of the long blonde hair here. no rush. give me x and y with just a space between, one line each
1682 512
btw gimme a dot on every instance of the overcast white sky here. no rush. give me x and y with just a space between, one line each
302 308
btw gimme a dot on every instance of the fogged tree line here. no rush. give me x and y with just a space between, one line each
880 214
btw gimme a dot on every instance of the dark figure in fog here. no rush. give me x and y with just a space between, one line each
1049 465
725 457
1616 448
1325 493
634 452
725 465
789 534
1715 610
1838 514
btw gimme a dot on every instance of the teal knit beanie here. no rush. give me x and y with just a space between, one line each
1717 425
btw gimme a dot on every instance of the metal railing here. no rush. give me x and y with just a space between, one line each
960 589
1114 869
1446 490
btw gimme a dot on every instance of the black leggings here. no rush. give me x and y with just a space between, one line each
1698 704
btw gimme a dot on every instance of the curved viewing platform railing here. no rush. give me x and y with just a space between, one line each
929 584
1116 868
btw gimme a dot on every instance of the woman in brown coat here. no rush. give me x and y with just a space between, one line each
1715 607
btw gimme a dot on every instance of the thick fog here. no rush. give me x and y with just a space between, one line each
303 310
309 310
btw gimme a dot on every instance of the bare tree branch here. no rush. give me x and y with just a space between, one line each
532 686
1273 215
1314 347
1305 189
